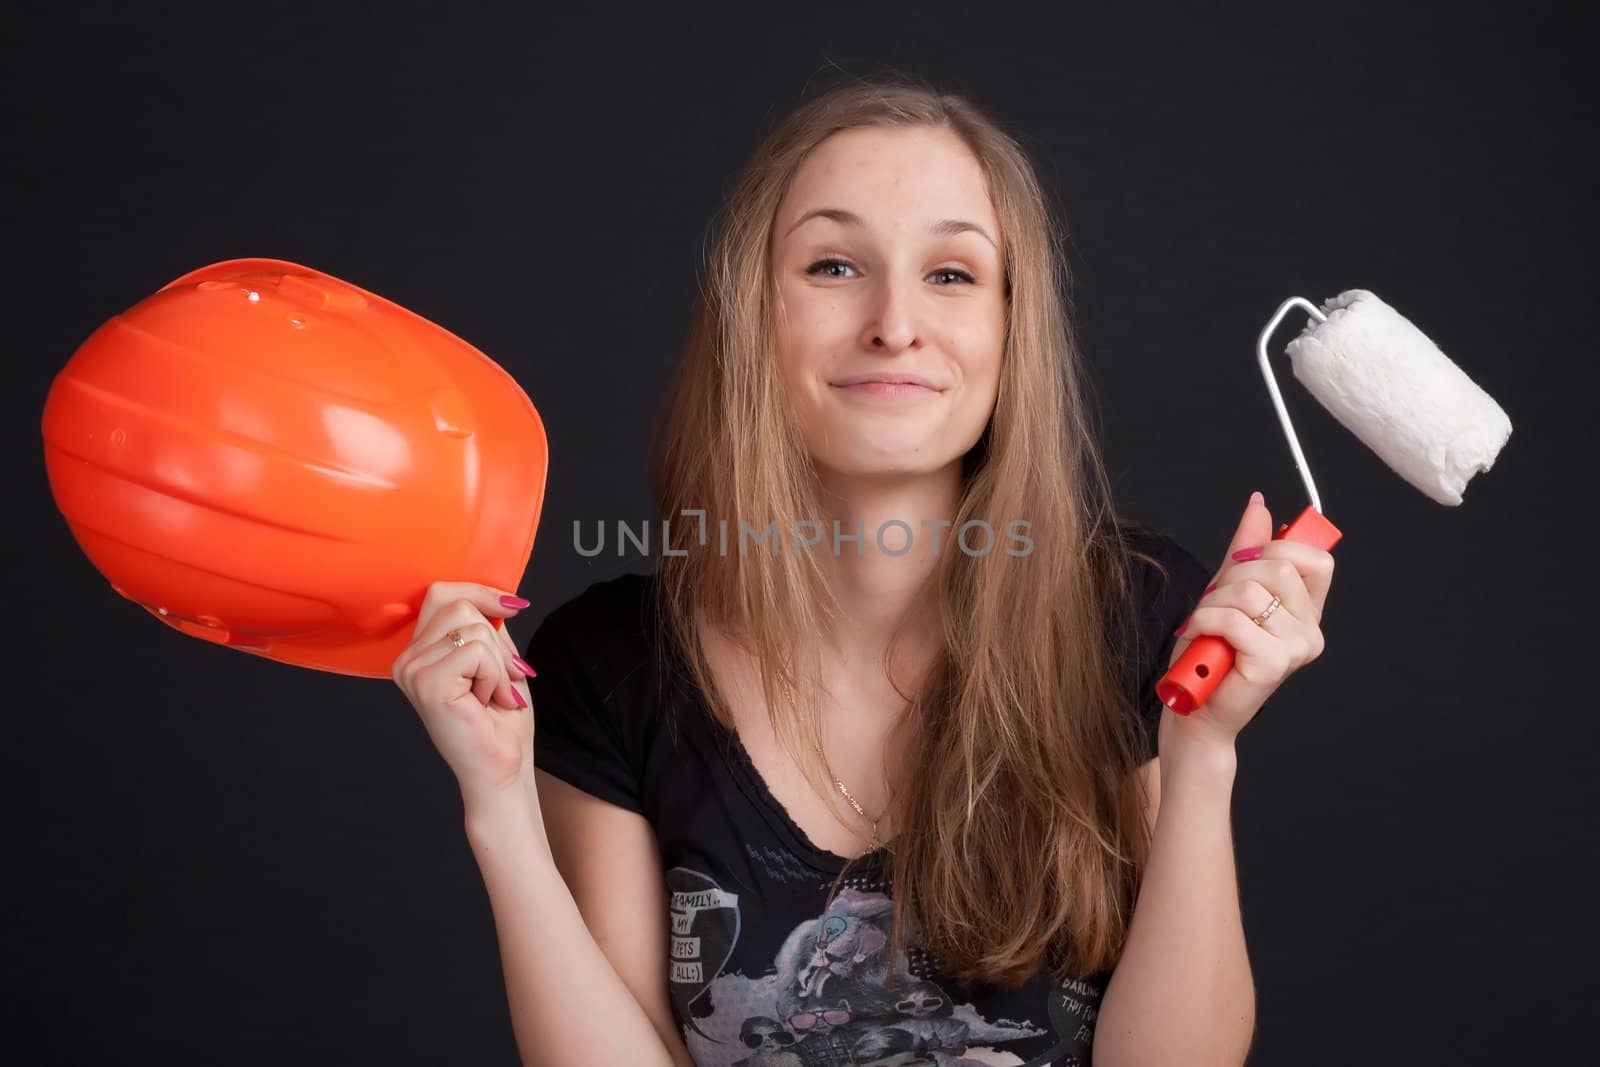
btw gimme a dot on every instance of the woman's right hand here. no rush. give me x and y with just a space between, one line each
472 699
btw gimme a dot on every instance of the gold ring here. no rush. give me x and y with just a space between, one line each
1260 620
456 638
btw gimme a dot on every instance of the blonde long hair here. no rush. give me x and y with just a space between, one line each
1021 838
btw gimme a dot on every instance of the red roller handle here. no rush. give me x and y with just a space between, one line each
1208 659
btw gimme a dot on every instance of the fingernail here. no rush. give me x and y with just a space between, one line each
1210 587
1245 555
522 665
509 601
516 694
1257 498
1182 626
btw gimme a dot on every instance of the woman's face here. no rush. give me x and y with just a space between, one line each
886 260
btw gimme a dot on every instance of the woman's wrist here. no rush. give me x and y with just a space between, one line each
512 808
1195 752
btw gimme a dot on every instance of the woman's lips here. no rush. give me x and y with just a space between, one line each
889 389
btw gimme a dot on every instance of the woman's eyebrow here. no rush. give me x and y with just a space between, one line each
942 228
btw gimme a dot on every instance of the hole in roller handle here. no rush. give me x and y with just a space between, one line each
1208 659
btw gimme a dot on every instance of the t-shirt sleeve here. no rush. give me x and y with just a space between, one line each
580 735
1164 601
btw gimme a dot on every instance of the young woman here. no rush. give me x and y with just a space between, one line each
866 771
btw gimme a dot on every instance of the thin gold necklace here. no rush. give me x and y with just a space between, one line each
873 847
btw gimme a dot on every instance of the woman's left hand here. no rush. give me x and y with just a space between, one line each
1265 654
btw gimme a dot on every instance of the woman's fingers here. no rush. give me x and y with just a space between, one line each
1299 573
487 601
1300 640
481 660
1262 656
454 671
452 615
514 673
471 610
1253 585
512 653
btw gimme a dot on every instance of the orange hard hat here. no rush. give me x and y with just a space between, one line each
273 459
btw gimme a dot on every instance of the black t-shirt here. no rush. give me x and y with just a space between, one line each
763 969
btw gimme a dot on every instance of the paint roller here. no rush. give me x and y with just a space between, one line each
1399 394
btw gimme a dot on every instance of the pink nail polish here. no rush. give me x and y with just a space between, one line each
1210 587
1182 626
517 696
522 665
513 602
1245 555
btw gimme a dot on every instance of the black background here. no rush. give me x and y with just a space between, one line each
218 858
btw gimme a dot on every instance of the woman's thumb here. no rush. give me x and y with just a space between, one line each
1254 530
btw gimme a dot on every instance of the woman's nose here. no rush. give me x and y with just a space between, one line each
891 317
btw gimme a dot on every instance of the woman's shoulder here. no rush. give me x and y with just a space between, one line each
1166 580
609 624
593 701
1157 561
610 611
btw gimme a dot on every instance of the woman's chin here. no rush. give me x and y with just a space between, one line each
912 463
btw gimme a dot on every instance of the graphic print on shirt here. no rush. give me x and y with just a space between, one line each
705 926
827 999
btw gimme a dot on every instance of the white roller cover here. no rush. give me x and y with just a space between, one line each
1392 387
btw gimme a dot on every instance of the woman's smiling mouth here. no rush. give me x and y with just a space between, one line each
887 384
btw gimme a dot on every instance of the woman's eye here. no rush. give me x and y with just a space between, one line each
823 265
817 267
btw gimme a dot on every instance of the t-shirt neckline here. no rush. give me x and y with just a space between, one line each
748 777
744 773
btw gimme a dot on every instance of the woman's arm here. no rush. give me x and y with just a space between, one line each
1182 992
568 1004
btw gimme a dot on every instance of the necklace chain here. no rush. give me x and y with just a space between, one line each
789 693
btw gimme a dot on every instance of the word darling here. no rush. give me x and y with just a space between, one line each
975 537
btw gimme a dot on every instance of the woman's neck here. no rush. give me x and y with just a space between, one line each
878 590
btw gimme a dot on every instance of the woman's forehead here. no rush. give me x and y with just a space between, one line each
913 180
